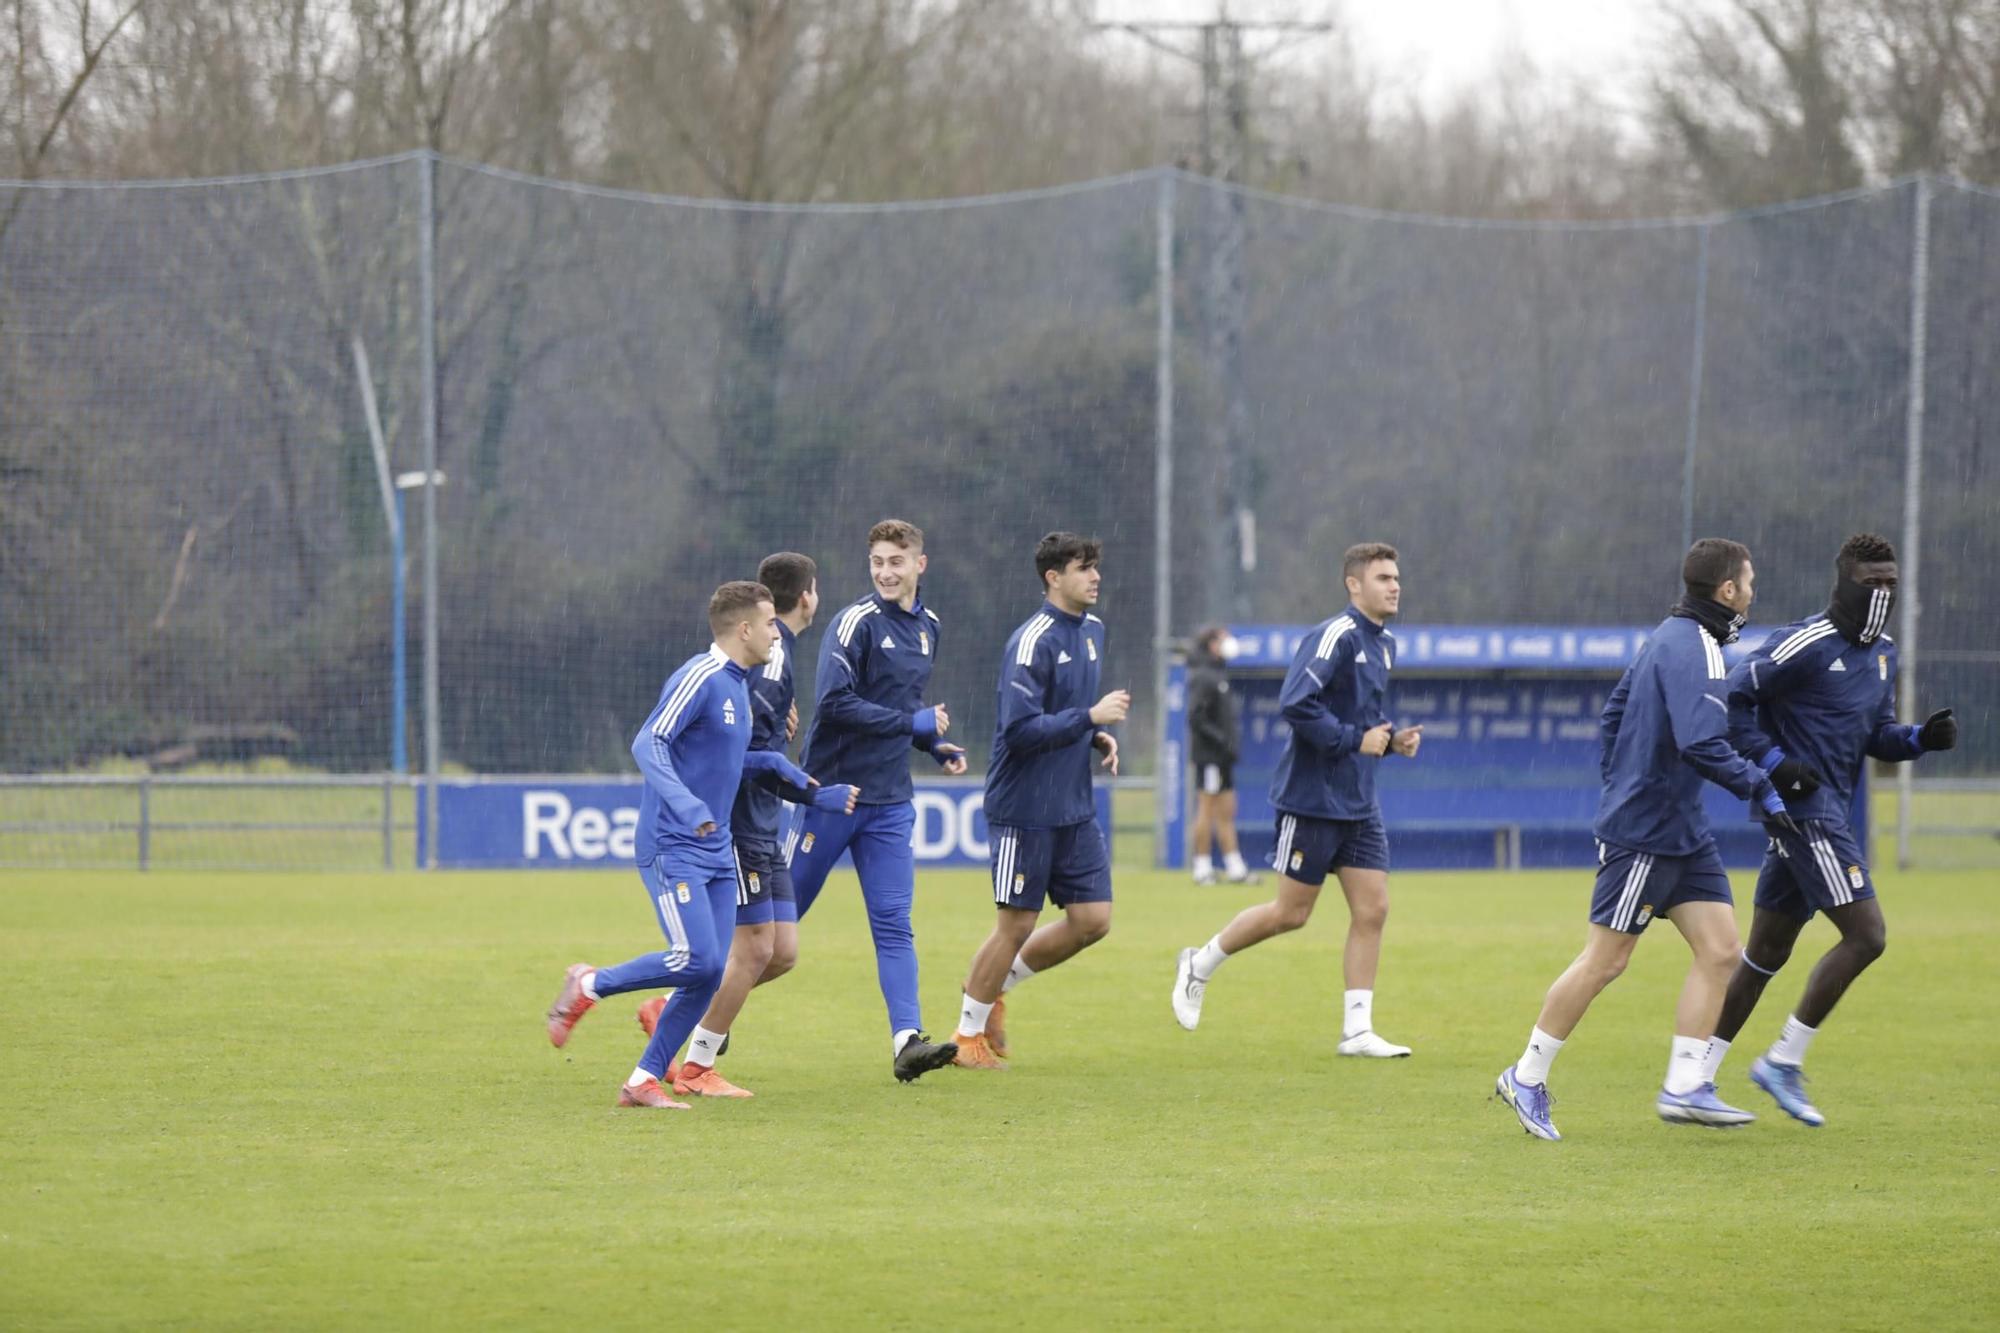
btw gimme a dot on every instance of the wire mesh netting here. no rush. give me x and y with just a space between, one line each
638 397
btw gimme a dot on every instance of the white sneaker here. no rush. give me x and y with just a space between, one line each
1368 1044
1204 878
1188 990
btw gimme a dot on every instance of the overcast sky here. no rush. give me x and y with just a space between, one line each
1442 45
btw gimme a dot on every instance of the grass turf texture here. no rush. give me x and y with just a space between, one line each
286 1101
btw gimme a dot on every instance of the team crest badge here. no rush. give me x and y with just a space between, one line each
807 845
924 642
1298 860
1854 878
1882 665
681 891
756 886
1645 914
1090 647
1020 883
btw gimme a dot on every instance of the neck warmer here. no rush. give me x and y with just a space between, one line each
1713 616
1858 611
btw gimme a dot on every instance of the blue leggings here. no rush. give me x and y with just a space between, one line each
877 839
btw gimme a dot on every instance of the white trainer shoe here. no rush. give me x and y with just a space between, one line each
1188 990
1368 1044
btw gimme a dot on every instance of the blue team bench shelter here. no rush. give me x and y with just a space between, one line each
1508 773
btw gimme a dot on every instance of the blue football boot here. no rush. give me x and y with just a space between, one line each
1700 1107
1531 1103
1787 1086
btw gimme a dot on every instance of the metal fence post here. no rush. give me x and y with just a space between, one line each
388 822
145 823
427 323
1694 384
1163 499
1913 508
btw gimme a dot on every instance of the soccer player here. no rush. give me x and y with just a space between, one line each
1041 821
766 944
694 750
1664 729
1324 793
874 665
1214 722
1808 706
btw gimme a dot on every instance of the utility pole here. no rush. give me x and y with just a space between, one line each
1218 50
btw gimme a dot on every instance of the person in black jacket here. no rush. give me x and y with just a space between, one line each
1214 719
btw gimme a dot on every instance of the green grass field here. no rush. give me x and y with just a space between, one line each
253 1101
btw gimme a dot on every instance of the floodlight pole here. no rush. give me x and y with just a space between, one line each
1913 509
427 325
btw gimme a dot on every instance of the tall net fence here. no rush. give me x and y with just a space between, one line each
635 398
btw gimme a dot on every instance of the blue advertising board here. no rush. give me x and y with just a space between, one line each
565 823
1508 773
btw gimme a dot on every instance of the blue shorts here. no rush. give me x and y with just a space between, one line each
1821 868
1308 848
1634 887
1032 865
763 884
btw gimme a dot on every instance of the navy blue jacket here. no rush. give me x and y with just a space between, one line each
1809 694
759 803
874 665
1664 729
694 750
1333 693
1040 773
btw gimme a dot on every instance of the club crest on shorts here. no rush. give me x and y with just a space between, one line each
681 891
1020 883
1298 860
1645 914
1854 879
756 884
807 845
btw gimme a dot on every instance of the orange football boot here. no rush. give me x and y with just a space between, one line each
571 1004
996 1028
976 1053
649 1013
651 1095
692 1080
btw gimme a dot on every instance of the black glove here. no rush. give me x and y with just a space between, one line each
1795 779
1775 816
1939 731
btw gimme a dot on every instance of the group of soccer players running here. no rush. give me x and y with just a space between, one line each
1786 729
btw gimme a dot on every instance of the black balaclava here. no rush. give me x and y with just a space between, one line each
1711 615
1858 611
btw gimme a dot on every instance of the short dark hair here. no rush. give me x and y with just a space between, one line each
1058 549
1863 548
788 575
1712 562
1363 554
906 535
734 602
1208 636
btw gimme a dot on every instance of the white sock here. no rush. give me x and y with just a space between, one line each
1357 1013
1533 1066
704 1047
1018 971
1209 957
1712 1065
1233 863
638 1076
1790 1047
900 1040
1203 867
590 985
1684 1065
972 1017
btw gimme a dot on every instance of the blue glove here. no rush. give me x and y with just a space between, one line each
832 798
